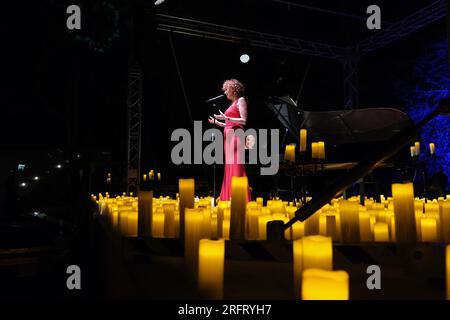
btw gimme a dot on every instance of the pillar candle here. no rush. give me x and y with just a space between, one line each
158 223
314 150
222 205
381 232
325 285
332 230
298 230
417 147
303 136
321 150
364 227
169 220
239 187
252 223
444 213
132 224
289 153
412 150
211 264
186 189
428 229
349 213
226 229
192 234
432 148
405 226
312 224
145 213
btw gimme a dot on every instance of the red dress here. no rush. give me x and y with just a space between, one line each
234 163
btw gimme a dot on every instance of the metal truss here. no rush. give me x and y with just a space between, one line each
350 78
411 23
134 104
253 38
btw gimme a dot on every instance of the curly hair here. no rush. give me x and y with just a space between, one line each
235 86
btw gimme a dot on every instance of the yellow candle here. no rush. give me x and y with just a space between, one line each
428 229
412 150
144 177
158 224
193 234
186 189
364 227
145 212
289 153
226 229
211 264
349 214
432 148
332 230
405 226
444 212
312 224
159 176
132 224
253 214
303 135
417 147
239 187
325 285
311 252
314 150
321 150
220 216
169 220
151 175
298 230
381 232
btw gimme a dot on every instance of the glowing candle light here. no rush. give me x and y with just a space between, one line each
158 223
226 229
405 226
417 147
298 230
364 227
289 153
144 177
186 189
220 216
428 229
132 224
321 150
381 232
211 264
239 187
303 136
349 213
145 199
159 176
312 224
412 150
253 214
444 212
151 175
193 234
314 150
325 285
432 148
169 220
311 252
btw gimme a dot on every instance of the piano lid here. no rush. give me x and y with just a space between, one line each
341 126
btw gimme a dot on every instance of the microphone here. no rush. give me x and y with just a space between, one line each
215 98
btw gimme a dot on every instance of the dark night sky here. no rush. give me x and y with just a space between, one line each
59 90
